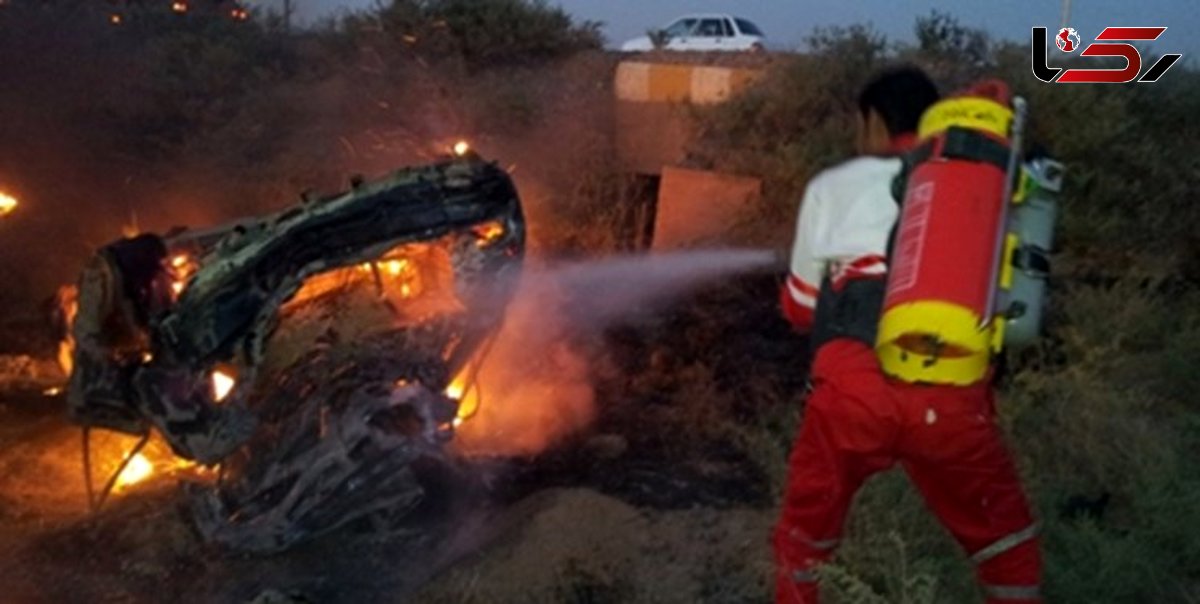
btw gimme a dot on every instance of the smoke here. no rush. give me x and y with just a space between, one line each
535 386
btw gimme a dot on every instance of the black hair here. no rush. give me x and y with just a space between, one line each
899 95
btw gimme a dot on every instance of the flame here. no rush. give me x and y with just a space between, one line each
179 7
467 395
115 19
54 391
239 14
138 469
462 148
488 233
395 267
222 384
181 267
400 274
8 204
68 304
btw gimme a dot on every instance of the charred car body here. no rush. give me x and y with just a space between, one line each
172 334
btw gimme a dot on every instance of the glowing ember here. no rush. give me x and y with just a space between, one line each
222 384
488 233
138 469
8 204
55 391
115 19
179 7
461 148
239 14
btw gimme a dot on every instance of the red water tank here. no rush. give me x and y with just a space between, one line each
936 325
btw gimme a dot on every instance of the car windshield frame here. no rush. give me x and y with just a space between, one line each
748 28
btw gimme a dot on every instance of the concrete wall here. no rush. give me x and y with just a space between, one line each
695 205
652 125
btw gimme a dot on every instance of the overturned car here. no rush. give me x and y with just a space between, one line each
388 292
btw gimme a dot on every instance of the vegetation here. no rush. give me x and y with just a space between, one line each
196 120
1102 414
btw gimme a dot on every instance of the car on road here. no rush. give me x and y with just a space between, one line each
703 33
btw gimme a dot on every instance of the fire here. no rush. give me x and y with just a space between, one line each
181 268
395 267
239 14
488 233
222 384
138 469
115 19
467 394
68 304
179 7
8 204
462 148
401 276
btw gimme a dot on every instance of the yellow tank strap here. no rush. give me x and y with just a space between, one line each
975 113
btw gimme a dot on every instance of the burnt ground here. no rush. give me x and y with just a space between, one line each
667 497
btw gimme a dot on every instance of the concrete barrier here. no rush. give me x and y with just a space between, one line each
652 121
695 205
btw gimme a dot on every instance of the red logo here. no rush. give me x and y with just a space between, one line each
1112 42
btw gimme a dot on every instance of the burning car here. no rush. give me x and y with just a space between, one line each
323 422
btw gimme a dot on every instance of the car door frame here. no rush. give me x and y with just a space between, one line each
681 42
698 42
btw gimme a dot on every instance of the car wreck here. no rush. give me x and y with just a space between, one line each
173 334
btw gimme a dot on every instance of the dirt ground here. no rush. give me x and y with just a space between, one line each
552 545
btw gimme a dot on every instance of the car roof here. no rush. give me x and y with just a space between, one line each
708 16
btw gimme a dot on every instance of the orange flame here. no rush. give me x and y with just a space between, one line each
488 233
115 19
179 7
8 204
461 148
181 268
138 469
68 303
464 389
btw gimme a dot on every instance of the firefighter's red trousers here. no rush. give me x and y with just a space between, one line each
858 422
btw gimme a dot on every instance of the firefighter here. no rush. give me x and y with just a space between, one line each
858 421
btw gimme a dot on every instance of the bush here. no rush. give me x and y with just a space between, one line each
481 33
1101 414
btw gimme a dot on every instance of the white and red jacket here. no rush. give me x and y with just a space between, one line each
846 218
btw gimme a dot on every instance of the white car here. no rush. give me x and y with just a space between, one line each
703 33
